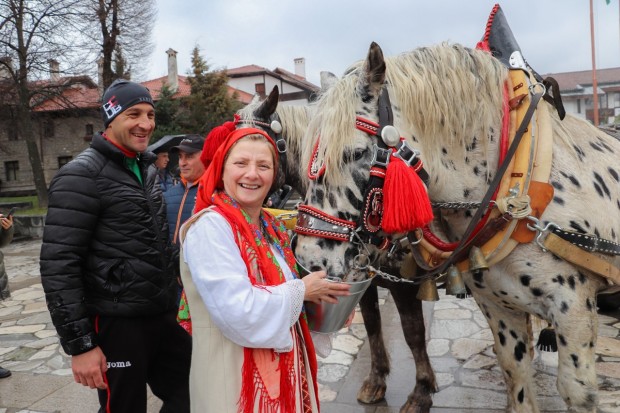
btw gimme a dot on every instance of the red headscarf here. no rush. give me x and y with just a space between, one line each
212 178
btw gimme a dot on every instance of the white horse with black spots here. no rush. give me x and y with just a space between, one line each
447 103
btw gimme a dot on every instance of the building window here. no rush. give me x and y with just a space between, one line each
11 168
89 129
63 160
48 128
260 89
578 105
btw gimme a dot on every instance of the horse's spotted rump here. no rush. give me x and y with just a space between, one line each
558 200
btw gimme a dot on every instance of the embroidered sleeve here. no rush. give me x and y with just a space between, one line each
296 290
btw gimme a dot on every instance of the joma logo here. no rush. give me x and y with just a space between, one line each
118 364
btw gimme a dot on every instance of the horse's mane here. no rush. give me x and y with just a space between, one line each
445 94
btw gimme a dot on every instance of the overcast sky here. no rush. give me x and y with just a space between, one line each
554 35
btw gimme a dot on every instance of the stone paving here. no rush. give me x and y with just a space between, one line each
460 347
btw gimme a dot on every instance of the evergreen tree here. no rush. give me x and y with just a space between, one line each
168 116
209 104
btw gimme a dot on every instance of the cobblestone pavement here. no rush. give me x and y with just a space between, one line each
460 347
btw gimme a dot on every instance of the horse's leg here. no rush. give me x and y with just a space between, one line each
412 320
576 325
512 335
373 388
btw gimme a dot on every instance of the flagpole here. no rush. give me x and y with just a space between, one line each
594 84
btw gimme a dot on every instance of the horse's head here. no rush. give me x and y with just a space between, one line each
348 145
262 115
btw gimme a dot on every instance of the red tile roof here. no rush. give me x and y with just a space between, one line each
85 94
571 81
155 86
243 97
246 70
75 97
278 73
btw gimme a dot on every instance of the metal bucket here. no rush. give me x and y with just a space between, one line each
329 318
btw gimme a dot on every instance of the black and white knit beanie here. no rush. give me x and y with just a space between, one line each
121 95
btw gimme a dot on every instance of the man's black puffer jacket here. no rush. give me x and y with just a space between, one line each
105 245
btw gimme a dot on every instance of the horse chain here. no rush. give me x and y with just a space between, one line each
395 279
455 205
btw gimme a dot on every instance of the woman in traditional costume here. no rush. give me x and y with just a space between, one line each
252 350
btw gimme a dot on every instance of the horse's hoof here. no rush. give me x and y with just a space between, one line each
411 407
371 393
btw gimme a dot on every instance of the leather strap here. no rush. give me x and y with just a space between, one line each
485 234
575 255
588 242
466 243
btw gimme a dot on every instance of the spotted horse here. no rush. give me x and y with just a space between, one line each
450 102
290 123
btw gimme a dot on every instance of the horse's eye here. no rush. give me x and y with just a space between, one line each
358 154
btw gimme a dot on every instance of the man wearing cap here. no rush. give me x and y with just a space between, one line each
180 198
107 266
180 201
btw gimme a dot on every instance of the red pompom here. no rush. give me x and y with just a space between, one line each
406 205
213 141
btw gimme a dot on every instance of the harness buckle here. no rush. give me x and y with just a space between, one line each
406 153
381 157
540 230
281 145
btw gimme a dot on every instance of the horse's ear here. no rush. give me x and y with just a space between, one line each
373 76
269 106
327 80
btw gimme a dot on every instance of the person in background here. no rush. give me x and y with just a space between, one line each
163 177
252 347
180 198
6 236
108 269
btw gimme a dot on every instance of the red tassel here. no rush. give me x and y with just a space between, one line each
406 205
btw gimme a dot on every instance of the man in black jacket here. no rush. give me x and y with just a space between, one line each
107 265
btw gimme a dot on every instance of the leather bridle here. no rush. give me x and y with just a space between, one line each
366 229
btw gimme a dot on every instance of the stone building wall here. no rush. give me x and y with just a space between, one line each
70 137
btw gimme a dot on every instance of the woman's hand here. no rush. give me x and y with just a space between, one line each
318 288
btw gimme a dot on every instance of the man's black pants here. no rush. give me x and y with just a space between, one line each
151 350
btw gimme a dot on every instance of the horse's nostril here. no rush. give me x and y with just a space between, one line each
315 268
